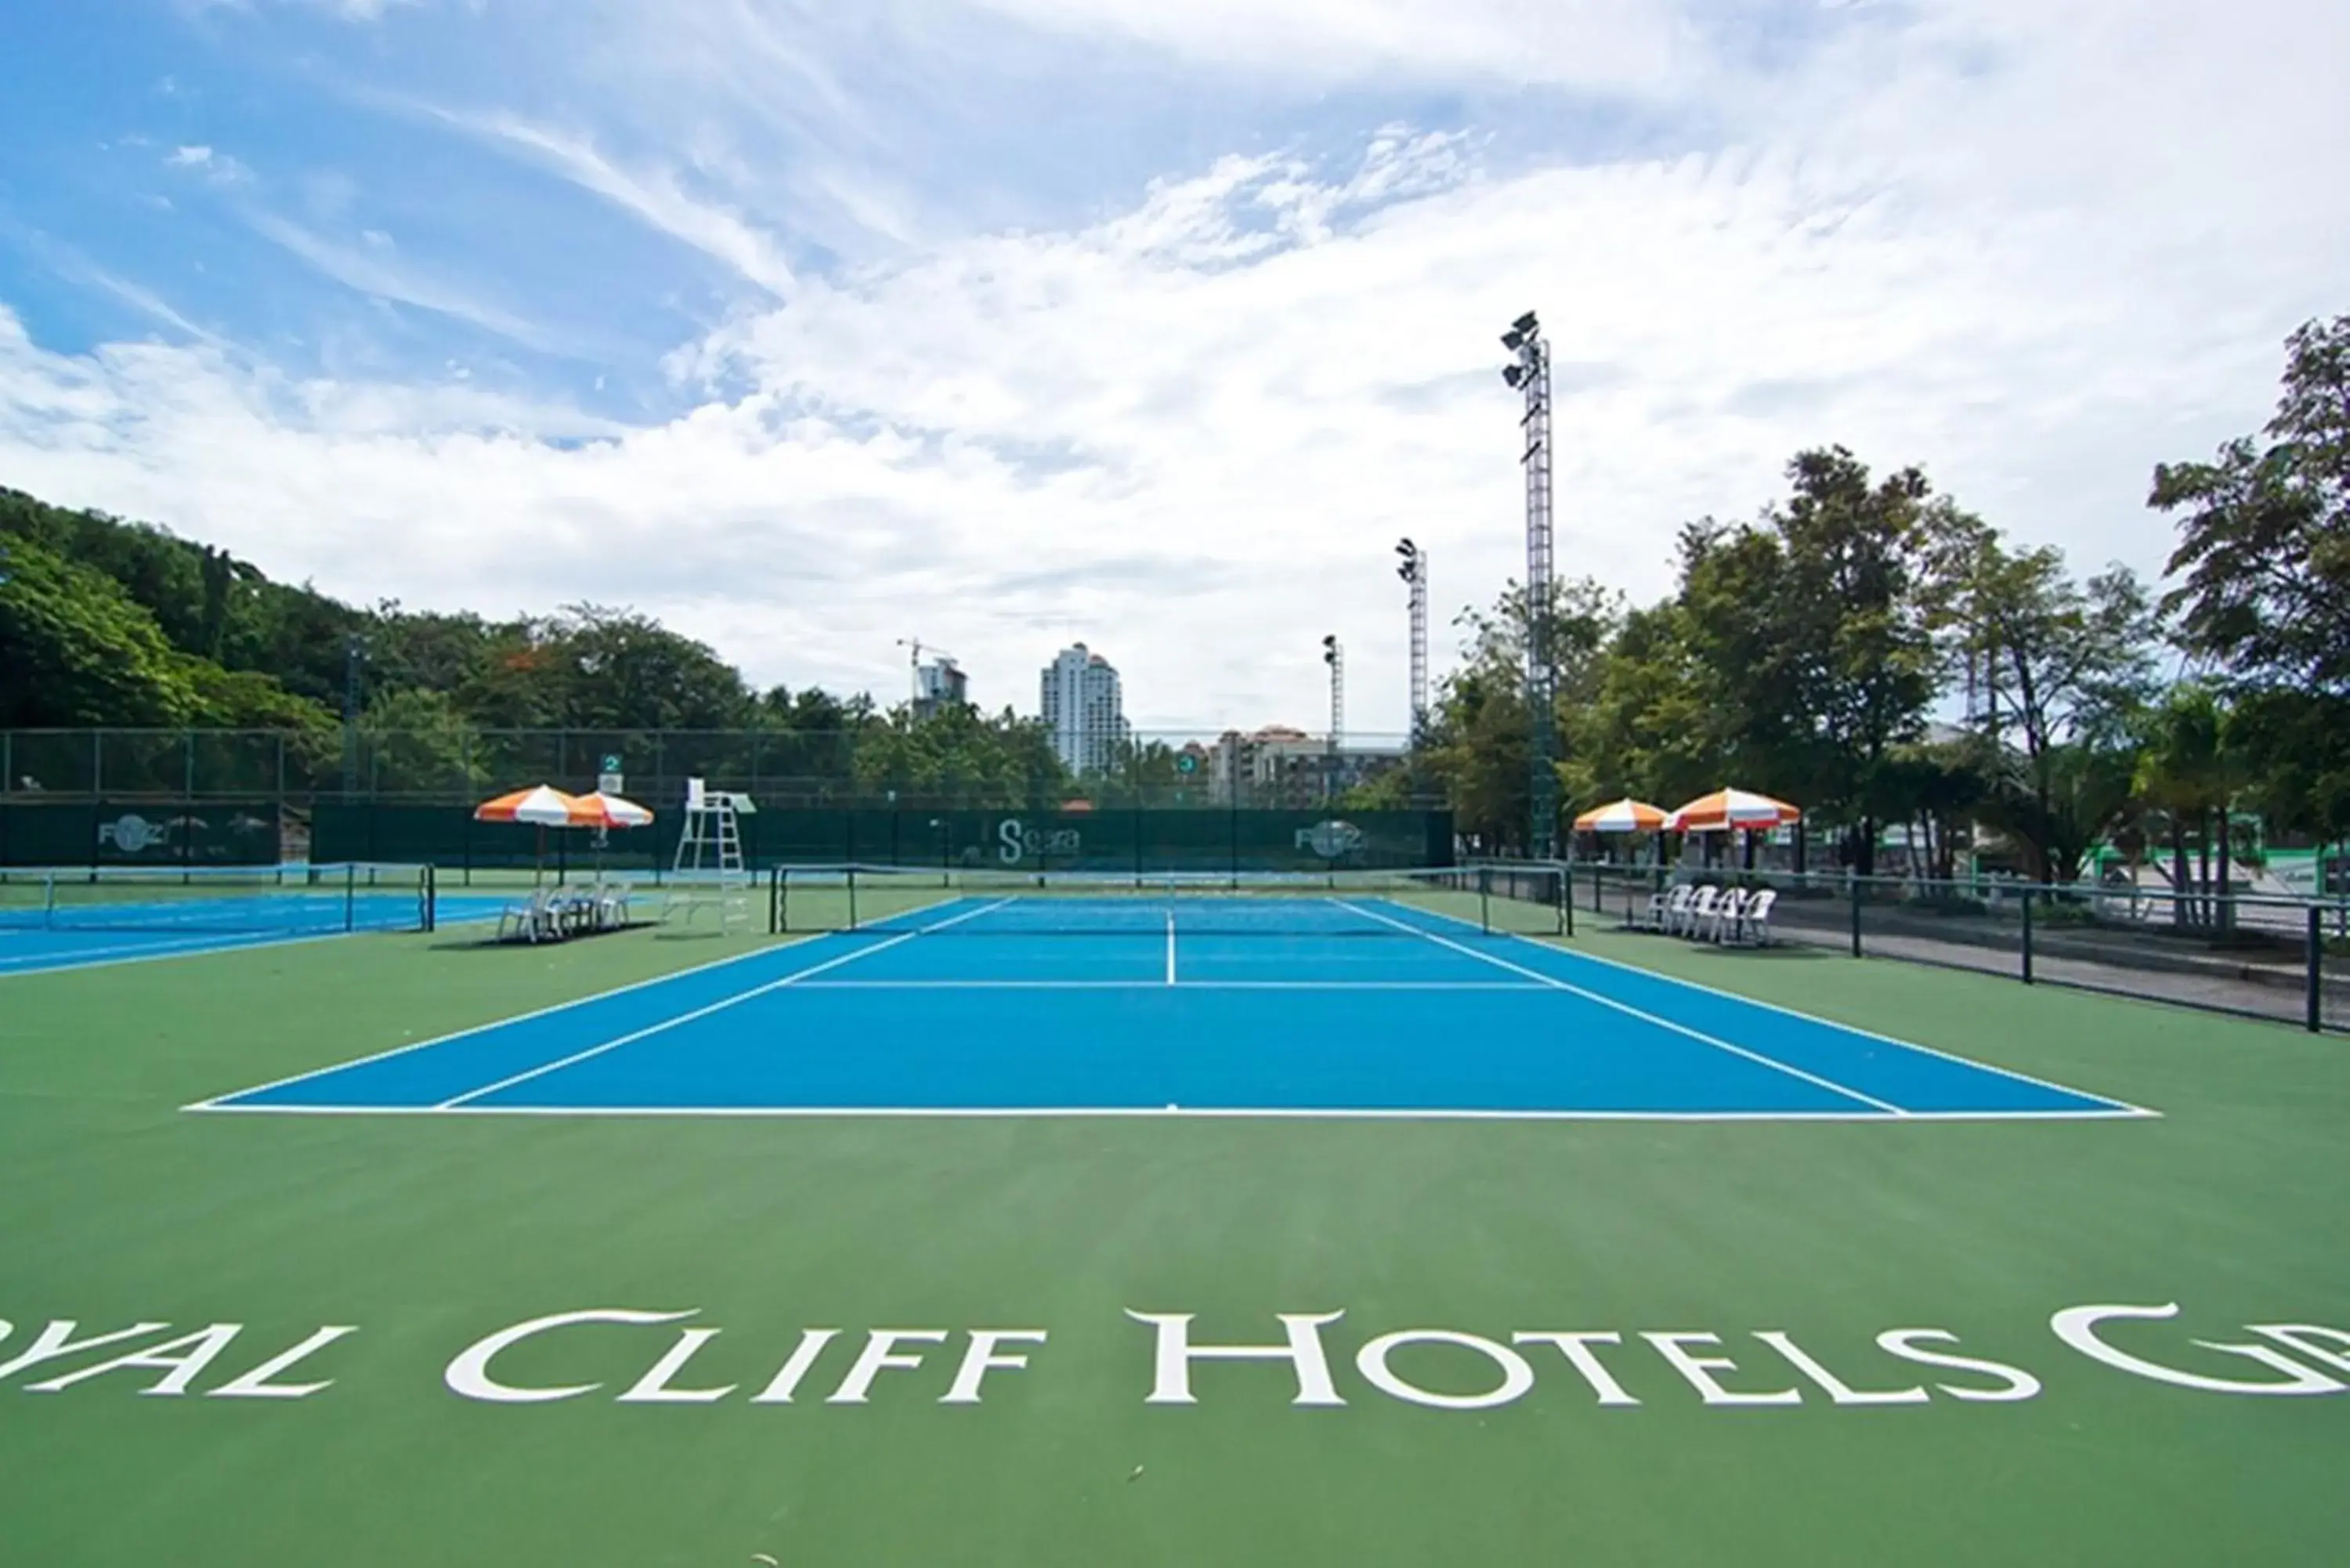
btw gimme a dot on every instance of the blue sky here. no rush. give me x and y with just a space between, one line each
1009 322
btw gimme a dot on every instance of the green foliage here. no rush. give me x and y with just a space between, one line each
2264 545
76 648
418 741
959 757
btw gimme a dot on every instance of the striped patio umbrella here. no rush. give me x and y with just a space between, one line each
1732 808
1626 815
541 807
613 811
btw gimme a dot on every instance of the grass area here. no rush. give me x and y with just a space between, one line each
429 1233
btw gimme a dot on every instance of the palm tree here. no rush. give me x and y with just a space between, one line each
2187 771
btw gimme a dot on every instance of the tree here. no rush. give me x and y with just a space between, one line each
2187 771
2048 664
418 742
1812 629
1480 740
2264 545
76 649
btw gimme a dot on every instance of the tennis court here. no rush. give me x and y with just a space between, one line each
1258 1000
72 918
864 1238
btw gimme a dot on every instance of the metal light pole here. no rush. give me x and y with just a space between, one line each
354 650
1413 569
1333 655
1530 375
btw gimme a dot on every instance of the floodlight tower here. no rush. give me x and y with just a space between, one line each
1334 654
1530 375
1413 569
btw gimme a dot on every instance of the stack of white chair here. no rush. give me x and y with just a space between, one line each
1703 912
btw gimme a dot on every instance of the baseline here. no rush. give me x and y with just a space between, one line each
1628 1009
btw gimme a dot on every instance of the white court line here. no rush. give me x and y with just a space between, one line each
1170 1113
214 1104
1609 1002
1180 985
1170 947
455 1101
1699 985
175 947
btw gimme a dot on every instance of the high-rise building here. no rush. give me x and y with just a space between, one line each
939 684
1083 710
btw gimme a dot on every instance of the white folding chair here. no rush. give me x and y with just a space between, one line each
1699 909
1725 916
530 919
1652 915
1676 907
1754 925
612 905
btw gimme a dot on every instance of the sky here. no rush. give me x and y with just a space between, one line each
1003 323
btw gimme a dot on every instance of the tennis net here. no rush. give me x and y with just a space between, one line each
259 901
1528 900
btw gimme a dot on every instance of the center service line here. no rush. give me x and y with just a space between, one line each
1624 1007
1170 947
717 1006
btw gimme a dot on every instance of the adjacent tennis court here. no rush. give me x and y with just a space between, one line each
1242 1000
72 918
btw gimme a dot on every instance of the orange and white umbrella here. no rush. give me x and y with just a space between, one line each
613 811
541 807
1626 815
1729 808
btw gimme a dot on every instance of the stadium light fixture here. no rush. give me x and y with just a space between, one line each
1514 341
1516 375
1526 324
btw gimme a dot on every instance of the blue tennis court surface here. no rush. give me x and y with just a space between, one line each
37 940
998 1007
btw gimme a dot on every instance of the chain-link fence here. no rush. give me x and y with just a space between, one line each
2287 959
872 765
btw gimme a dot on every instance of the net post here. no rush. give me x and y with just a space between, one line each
2316 999
48 900
852 898
350 898
1564 920
775 900
2027 935
428 900
1485 900
1852 891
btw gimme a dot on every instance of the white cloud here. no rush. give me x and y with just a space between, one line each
1614 44
1973 234
369 269
210 164
653 196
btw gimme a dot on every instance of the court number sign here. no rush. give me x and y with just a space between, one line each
1320 1359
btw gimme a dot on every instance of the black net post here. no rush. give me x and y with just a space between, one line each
2027 936
851 875
350 897
2316 1001
775 900
1484 897
1852 889
1567 897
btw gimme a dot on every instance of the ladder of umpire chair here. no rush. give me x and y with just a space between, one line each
712 823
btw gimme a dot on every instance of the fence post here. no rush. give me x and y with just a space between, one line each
2027 936
2316 969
